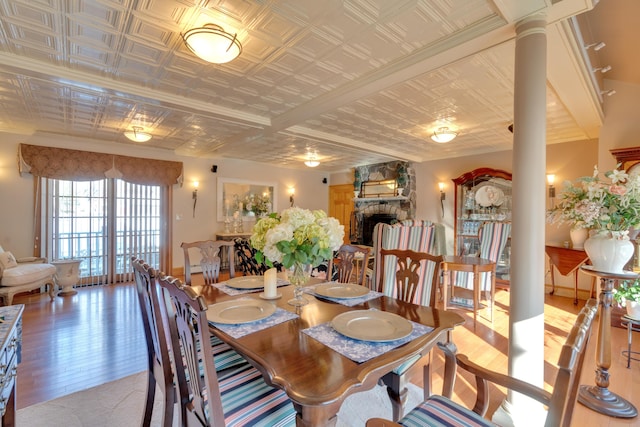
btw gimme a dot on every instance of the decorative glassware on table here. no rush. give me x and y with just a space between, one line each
608 209
300 240
299 275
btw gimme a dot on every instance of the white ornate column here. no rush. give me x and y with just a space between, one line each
526 315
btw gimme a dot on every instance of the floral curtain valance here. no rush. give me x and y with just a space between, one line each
63 163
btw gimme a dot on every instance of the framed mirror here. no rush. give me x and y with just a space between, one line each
252 199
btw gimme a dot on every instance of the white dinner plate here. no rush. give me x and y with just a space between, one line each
371 325
489 196
240 311
341 290
246 282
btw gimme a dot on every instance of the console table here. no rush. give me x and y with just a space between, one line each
10 354
567 261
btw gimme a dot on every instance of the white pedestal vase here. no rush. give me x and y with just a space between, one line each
578 237
67 275
633 309
608 251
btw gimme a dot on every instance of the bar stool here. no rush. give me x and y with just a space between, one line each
632 325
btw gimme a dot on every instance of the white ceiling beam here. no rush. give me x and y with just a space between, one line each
32 67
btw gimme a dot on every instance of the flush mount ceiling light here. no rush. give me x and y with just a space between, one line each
312 160
212 43
137 134
443 135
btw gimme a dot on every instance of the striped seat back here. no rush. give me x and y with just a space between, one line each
493 238
416 235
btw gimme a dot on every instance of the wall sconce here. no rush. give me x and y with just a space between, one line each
442 193
443 196
292 191
552 190
194 196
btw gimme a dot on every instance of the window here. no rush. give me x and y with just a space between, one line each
102 222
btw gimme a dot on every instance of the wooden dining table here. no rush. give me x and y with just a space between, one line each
316 378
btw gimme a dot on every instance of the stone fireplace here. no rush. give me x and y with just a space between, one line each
368 211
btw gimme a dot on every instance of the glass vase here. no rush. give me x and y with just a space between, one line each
299 275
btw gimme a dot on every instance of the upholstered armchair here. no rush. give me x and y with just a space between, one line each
23 275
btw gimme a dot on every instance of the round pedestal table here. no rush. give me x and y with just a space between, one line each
598 397
67 275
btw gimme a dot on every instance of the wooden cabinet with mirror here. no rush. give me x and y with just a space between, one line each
482 195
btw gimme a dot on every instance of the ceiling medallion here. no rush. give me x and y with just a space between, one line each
443 135
137 134
212 43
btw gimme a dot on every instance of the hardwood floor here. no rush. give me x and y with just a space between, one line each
96 336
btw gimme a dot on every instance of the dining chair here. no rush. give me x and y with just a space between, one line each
493 238
441 410
416 235
209 259
246 256
415 277
159 365
237 397
347 259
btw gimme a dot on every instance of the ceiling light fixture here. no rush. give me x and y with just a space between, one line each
443 135
595 46
312 160
603 69
212 43
137 134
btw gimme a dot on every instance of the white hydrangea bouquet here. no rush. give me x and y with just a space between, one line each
299 239
296 237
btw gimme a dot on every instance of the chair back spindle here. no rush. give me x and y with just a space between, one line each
210 262
345 262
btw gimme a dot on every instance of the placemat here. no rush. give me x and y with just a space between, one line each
238 331
356 350
349 302
233 291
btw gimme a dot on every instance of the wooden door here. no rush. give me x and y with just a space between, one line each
341 206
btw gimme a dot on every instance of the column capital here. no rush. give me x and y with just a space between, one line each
532 24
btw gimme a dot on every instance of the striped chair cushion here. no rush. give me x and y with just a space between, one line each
224 356
416 235
438 411
248 401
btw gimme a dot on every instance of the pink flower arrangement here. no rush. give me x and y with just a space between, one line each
592 203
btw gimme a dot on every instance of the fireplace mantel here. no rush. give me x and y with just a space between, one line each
379 199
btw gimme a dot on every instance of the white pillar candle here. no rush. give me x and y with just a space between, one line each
270 283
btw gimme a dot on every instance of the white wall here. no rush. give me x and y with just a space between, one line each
16 192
